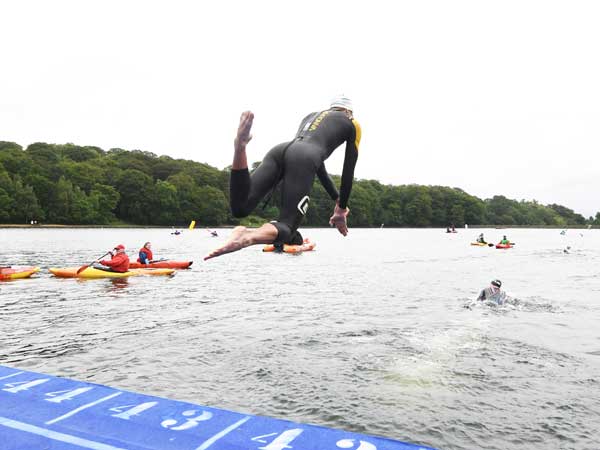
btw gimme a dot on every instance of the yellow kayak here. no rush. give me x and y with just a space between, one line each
480 244
14 273
90 272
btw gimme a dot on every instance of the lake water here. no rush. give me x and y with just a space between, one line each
368 333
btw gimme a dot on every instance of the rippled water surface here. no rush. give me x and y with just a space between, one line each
369 333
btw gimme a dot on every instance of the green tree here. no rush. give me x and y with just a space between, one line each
212 207
26 206
105 198
165 204
136 190
6 206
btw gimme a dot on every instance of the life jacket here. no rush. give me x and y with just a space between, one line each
118 263
147 252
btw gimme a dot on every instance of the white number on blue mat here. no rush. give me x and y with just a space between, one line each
136 410
68 395
189 423
23 385
349 443
281 441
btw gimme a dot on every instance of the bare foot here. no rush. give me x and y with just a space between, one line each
242 138
242 237
237 241
243 134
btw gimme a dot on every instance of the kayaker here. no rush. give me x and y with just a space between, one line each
481 239
504 241
145 254
493 293
119 261
295 164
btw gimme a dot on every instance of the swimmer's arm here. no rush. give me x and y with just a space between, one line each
348 173
481 296
327 182
350 163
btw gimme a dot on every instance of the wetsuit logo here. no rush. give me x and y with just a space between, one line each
303 204
317 121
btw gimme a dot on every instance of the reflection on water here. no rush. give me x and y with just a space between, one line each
368 333
118 283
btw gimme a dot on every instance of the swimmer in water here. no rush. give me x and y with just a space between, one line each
493 293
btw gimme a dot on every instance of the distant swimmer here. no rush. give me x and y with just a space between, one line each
493 293
567 250
295 164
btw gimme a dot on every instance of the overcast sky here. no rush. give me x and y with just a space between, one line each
492 97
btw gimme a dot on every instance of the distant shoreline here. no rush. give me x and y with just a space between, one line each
471 227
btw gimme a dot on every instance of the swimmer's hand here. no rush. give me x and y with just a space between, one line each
338 219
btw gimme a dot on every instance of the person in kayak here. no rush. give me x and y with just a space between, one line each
295 164
481 239
492 293
145 254
119 261
504 241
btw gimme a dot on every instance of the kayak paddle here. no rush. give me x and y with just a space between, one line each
82 268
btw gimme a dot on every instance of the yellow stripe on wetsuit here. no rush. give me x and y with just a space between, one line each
358 133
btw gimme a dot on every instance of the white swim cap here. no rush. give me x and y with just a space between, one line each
341 101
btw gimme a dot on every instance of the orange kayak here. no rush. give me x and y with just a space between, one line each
306 247
17 272
167 264
90 272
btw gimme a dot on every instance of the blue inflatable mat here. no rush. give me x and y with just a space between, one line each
40 411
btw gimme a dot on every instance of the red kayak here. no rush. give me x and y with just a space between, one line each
166 264
504 246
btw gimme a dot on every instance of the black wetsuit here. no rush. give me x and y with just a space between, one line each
295 163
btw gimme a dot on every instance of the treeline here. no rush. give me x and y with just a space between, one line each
71 184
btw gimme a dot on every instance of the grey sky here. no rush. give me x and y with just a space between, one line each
491 97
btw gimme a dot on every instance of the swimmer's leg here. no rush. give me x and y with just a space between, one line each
300 170
242 237
247 190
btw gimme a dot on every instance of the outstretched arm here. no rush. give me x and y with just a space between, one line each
327 183
341 209
350 159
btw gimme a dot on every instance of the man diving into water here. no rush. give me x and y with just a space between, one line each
295 164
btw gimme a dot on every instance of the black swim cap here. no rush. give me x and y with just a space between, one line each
497 283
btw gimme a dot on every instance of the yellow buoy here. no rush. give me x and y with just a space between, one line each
192 224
